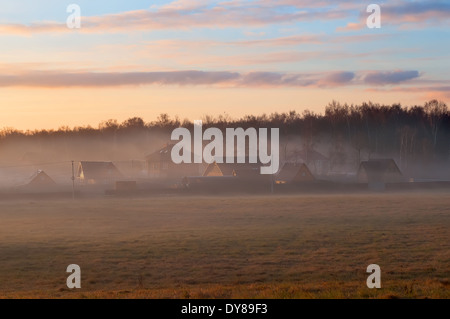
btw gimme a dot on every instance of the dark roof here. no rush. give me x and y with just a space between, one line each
98 170
379 165
289 171
242 169
376 169
40 178
226 169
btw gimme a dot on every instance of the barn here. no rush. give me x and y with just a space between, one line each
319 163
294 173
97 173
160 165
376 173
219 169
40 181
232 169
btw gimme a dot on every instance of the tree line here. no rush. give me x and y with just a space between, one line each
414 133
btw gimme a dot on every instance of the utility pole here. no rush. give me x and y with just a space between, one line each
271 176
271 184
73 182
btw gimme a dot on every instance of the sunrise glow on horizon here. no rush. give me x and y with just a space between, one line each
195 58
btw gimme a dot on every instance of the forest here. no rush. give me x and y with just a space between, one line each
419 133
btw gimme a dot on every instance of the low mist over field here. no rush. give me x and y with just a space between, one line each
228 247
416 137
161 241
225 150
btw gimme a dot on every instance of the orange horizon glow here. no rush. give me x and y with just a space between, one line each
35 108
196 58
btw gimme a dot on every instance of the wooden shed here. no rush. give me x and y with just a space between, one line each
40 181
376 173
160 165
232 169
294 173
94 173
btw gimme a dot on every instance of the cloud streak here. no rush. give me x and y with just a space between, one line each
393 77
337 79
418 11
185 15
97 79
181 15
426 92
400 13
53 79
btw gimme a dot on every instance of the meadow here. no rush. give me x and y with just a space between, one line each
303 246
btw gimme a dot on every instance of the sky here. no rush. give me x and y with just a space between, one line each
191 58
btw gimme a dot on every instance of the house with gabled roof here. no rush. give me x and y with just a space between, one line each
160 165
319 163
97 173
232 169
294 173
376 173
39 181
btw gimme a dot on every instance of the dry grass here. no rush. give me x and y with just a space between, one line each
228 247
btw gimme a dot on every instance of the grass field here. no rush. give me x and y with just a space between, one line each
302 246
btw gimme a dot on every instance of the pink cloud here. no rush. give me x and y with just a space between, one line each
67 79
199 14
186 15
390 77
351 27
440 92
406 15
337 79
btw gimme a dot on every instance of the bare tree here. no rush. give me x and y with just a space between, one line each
435 110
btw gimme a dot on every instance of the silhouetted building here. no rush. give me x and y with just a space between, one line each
97 173
318 162
294 173
40 181
232 169
160 165
376 173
